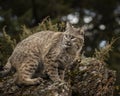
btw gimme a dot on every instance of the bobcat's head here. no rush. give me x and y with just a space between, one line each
73 39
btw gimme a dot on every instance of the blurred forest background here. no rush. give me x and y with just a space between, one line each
102 18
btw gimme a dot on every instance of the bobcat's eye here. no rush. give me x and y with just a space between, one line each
72 37
66 37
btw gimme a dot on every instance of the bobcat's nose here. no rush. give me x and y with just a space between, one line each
68 44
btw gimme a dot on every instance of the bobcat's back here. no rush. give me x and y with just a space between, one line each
37 44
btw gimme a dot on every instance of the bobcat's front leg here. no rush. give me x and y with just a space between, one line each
51 67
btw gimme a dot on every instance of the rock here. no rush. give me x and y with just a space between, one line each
90 77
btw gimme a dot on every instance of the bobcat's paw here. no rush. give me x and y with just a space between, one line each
39 80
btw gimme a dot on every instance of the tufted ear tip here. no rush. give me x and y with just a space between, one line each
82 30
68 26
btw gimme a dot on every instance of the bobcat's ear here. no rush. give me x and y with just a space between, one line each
82 30
69 27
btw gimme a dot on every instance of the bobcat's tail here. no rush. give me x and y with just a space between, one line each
6 70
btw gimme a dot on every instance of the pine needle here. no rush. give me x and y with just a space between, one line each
103 53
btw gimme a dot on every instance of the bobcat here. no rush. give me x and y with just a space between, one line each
45 52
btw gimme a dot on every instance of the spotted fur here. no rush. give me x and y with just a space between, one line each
45 52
